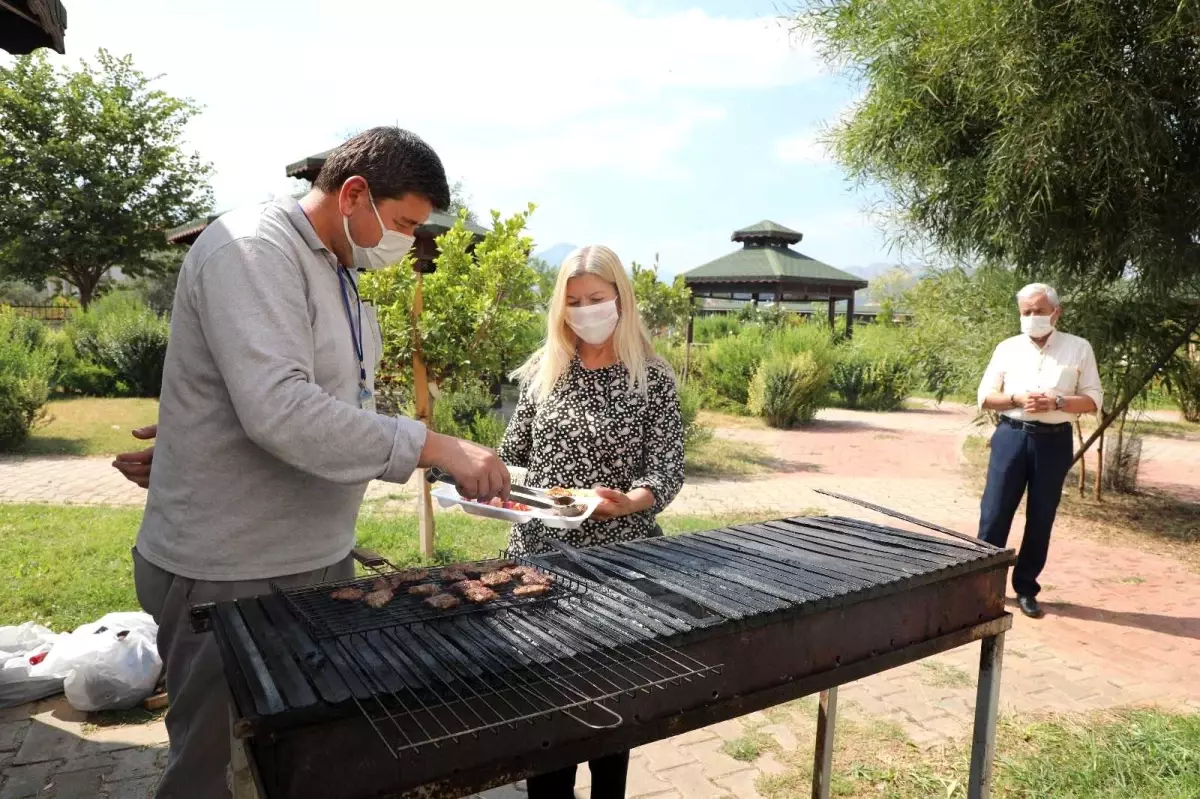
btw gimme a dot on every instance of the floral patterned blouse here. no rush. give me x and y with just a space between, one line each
591 430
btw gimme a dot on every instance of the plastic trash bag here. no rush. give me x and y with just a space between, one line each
23 674
110 664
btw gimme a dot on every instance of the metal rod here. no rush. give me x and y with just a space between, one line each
823 757
906 518
987 700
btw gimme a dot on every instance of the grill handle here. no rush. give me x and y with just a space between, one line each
619 718
369 557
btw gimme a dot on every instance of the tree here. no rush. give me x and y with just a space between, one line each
1059 138
94 169
547 276
459 201
663 306
477 306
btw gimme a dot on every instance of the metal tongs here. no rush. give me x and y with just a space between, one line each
527 496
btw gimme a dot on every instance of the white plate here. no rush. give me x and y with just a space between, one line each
447 496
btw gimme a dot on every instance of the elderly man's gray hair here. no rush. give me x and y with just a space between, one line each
1038 290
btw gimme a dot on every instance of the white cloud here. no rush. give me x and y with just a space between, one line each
510 93
804 148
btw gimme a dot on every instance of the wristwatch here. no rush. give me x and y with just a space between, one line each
1060 402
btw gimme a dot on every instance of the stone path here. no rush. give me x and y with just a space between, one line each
1122 627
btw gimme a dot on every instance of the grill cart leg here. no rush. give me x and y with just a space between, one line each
823 760
242 785
987 700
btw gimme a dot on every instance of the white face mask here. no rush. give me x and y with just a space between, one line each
594 323
1036 326
392 246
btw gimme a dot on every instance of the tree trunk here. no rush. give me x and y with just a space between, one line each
1099 468
1082 462
86 285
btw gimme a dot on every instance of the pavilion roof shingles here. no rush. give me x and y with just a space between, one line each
26 25
769 265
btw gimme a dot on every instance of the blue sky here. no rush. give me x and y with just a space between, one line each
652 126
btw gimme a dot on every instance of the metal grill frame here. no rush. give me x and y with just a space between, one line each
326 617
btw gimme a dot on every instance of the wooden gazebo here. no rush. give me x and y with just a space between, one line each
26 25
767 268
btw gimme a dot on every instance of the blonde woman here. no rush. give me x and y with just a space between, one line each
598 409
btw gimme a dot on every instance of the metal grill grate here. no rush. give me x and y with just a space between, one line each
429 686
327 617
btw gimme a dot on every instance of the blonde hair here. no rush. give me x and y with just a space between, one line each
631 341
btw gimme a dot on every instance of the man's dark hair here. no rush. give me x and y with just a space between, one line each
393 161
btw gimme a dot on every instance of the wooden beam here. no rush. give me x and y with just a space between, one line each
424 411
850 317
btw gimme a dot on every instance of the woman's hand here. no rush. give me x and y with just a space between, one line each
617 503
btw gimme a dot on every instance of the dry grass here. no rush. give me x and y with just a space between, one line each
91 426
944 675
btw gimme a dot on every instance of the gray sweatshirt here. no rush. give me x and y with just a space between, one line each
263 453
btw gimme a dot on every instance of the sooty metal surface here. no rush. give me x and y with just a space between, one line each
673 639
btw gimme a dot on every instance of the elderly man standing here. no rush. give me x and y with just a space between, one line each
1039 381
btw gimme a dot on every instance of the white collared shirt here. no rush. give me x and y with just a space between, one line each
1065 366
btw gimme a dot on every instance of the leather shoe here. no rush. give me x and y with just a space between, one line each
1030 607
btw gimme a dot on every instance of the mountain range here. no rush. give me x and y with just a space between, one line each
554 255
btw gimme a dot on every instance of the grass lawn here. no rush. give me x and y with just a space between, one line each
64 566
1125 754
90 426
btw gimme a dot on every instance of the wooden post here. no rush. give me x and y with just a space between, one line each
1099 467
687 344
832 313
850 316
1082 462
421 401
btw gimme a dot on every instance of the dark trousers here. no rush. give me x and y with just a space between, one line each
608 780
1038 459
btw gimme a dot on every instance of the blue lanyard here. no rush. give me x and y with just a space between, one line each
356 329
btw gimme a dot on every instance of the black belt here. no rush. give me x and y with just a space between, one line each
1036 428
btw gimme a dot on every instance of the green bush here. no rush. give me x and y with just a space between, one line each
466 413
695 434
707 329
730 364
789 390
1185 388
120 345
871 385
26 365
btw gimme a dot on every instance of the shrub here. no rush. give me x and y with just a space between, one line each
1185 387
707 329
729 366
789 390
121 346
466 413
26 365
695 434
872 385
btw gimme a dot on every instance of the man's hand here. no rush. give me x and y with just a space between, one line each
136 465
477 471
1038 403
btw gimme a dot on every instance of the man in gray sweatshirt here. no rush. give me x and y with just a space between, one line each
267 433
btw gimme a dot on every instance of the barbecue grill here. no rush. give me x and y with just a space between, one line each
642 640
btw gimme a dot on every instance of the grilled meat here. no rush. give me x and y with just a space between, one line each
479 593
382 584
535 589
349 593
570 510
495 578
377 599
407 576
424 589
495 565
453 574
536 578
462 586
558 491
442 601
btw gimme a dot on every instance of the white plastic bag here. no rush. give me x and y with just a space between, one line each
110 664
23 676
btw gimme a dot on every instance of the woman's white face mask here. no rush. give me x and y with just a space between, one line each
594 323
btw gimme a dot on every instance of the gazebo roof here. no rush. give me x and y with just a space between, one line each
308 168
766 258
26 25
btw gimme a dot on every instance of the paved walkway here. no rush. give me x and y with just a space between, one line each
1122 625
